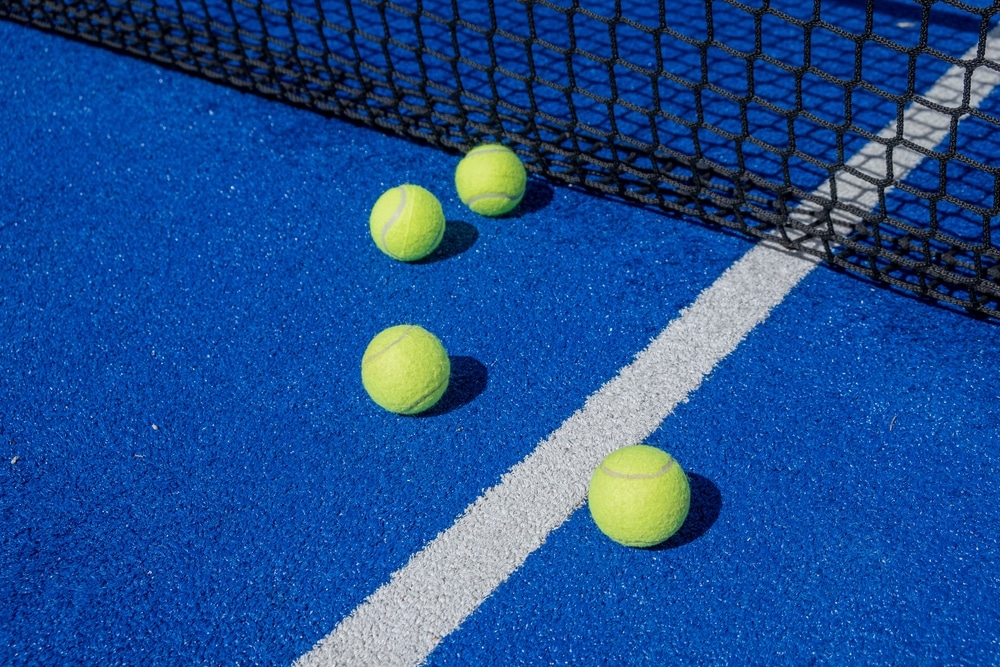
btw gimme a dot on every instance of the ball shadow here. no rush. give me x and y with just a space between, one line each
538 195
458 237
706 505
468 380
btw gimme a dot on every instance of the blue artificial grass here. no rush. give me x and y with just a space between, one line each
196 476
189 286
844 484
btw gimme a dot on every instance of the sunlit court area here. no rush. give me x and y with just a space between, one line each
329 329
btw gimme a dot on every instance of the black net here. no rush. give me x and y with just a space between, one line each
862 132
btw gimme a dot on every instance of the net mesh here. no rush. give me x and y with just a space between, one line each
865 133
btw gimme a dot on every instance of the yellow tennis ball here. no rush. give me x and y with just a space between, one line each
407 223
405 369
490 179
639 496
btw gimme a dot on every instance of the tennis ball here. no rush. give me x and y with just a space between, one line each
639 496
490 179
407 223
405 369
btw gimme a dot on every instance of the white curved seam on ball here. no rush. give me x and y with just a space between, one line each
368 360
395 216
429 393
639 475
490 195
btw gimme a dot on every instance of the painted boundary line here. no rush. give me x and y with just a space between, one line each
405 619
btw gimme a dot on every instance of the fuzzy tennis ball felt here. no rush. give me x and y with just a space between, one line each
407 223
639 496
490 179
405 369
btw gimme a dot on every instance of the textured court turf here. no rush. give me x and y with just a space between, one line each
189 284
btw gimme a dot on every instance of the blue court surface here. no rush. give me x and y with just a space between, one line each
192 473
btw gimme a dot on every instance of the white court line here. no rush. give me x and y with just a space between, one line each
405 619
